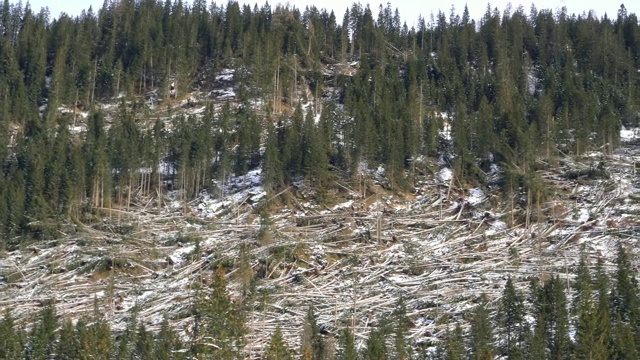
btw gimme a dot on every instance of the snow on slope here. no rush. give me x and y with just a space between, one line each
352 263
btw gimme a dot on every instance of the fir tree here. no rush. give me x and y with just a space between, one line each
11 338
165 341
376 347
313 344
625 292
278 349
400 325
347 349
481 334
42 335
453 347
223 324
511 322
68 347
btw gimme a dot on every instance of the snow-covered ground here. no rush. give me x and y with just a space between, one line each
630 134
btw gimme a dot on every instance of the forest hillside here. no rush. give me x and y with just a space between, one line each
231 181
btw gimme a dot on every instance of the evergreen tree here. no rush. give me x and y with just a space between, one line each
166 341
223 324
624 304
313 344
376 347
481 334
42 335
128 339
400 324
278 349
603 313
512 326
589 344
68 347
625 292
453 346
347 343
11 338
144 343
272 166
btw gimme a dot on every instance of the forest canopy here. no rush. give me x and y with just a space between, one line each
316 98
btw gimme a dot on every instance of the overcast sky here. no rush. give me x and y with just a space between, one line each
409 9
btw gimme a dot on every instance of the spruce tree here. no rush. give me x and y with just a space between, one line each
557 319
68 346
165 341
42 335
11 338
144 343
453 347
625 292
313 344
223 321
588 344
624 304
511 323
278 349
400 327
128 339
272 166
481 334
347 350
603 311
376 346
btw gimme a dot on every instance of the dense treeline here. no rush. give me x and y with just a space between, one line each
595 316
519 86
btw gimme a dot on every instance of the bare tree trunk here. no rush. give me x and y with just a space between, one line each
74 108
159 188
129 192
141 81
93 88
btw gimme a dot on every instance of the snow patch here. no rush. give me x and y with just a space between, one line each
223 94
476 196
496 227
226 75
445 174
238 191
344 205
629 134
179 255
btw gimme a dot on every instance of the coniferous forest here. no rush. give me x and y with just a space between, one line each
522 85
92 115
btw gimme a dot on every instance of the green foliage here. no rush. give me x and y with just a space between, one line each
347 350
481 334
453 346
278 349
512 326
313 346
42 335
11 338
68 347
510 85
400 325
220 330
512 89
166 342
591 342
376 345
625 292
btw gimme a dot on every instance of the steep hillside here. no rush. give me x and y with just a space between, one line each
439 248
229 171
